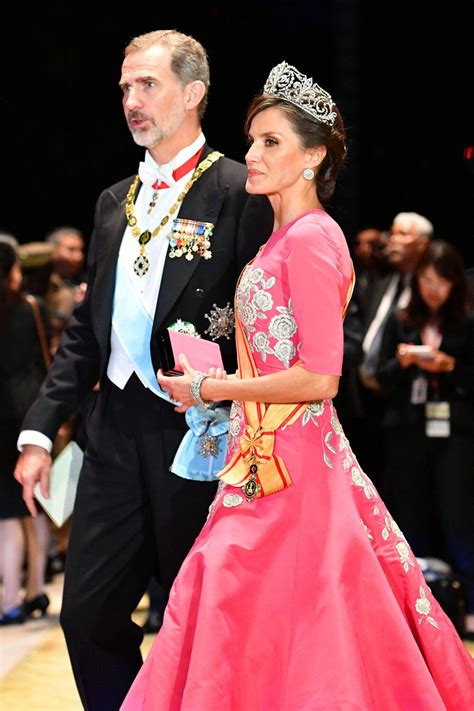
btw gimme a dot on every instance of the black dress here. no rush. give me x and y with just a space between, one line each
22 370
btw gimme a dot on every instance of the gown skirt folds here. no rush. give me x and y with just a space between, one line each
308 599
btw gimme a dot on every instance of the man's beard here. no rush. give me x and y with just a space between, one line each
155 134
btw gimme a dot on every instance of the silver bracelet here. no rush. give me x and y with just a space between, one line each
195 389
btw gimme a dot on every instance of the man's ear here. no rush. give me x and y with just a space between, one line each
194 94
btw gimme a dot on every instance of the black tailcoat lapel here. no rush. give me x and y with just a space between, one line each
203 203
107 250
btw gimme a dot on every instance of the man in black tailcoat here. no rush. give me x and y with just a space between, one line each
167 246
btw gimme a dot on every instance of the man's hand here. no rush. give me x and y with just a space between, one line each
33 465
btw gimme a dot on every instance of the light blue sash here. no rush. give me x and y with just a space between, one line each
133 327
194 460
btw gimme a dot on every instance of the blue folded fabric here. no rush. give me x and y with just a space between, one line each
201 454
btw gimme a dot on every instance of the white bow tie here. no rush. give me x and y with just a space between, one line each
150 174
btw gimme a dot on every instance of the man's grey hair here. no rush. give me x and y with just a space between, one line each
56 236
423 226
8 238
188 57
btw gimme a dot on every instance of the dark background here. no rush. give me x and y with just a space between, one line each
402 74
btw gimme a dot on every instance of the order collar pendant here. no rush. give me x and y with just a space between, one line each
141 265
252 488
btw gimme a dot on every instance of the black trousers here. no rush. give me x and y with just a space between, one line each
132 518
429 490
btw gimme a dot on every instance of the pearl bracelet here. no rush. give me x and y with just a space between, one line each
195 389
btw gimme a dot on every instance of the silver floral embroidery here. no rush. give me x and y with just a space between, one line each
252 297
423 607
255 276
367 530
283 326
285 351
315 409
362 480
396 530
404 553
389 528
343 444
263 301
327 442
253 301
261 344
248 315
232 500
386 528
336 425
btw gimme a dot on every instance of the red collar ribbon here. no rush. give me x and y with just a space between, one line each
181 171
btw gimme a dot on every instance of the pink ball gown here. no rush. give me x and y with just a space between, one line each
309 599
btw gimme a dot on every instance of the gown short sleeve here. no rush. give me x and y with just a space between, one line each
316 284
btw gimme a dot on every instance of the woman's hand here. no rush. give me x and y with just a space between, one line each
405 358
440 363
178 387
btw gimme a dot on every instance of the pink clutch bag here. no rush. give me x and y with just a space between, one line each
200 353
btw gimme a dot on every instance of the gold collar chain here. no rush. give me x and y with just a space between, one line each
142 264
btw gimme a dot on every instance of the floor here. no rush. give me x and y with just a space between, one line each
34 668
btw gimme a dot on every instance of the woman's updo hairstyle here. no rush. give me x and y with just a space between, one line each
312 133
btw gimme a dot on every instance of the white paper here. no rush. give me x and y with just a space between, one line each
62 484
438 428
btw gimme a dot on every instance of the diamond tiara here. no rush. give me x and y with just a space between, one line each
286 82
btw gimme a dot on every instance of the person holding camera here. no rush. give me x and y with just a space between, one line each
427 368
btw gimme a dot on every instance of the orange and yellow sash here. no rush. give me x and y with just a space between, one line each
255 467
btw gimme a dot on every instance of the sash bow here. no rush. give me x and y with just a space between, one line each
202 451
257 445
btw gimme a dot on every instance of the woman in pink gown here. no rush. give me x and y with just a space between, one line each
301 592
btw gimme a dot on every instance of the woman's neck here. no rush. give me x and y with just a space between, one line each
433 318
287 207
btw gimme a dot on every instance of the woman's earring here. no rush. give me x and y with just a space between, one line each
308 174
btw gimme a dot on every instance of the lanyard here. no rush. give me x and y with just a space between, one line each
431 336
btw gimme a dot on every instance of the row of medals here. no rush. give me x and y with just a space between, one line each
184 241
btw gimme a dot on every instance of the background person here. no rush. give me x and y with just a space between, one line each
67 282
409 237
22 370
428 424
